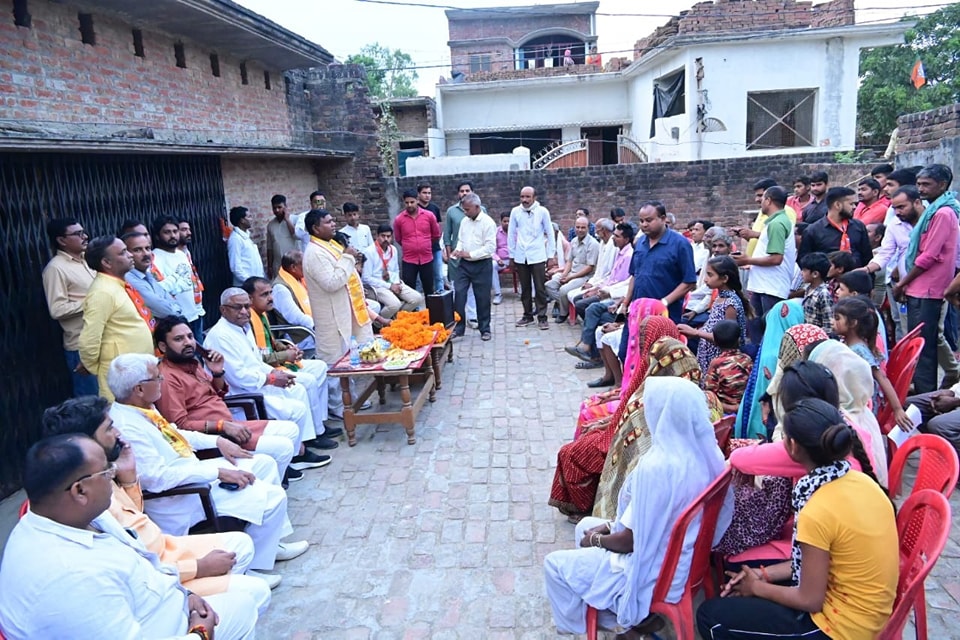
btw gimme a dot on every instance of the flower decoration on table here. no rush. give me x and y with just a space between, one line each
412 329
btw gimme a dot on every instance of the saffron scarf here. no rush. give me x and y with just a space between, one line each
195 277
357 302
298 289
139 303
173 437
948 199
264 338
842 228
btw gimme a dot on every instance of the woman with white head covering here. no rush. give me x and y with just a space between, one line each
855 382
616 567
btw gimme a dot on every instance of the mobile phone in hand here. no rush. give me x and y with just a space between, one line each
230 486
203 351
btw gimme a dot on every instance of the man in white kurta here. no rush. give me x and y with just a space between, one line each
336 296
70 570
303 401
381 275
165 457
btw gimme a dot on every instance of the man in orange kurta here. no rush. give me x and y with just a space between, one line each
207 564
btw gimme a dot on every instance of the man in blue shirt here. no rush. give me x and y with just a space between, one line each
662 266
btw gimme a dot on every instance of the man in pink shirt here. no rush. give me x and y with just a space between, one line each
501 258
930 261
415 229
872 208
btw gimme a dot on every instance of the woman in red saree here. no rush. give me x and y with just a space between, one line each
580 462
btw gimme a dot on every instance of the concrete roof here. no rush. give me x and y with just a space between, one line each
221 25
576 8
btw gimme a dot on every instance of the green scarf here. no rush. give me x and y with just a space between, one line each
948 199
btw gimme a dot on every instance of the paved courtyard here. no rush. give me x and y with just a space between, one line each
446 538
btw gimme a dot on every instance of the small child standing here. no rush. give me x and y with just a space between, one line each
855 321
841 262
817 301
858 283
729 372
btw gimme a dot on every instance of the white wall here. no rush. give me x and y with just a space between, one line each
454 165
542 103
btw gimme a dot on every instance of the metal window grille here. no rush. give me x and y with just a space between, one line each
781 119
100 191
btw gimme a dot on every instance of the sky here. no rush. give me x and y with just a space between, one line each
344 26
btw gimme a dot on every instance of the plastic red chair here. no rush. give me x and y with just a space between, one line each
900 370
923 526
939 467
898 348
722 428
680 614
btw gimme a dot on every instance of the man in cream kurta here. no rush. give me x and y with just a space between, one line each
333 286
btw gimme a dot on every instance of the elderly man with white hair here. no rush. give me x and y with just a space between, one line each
300 397
244 485
605 228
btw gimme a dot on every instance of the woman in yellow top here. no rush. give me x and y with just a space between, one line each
845 540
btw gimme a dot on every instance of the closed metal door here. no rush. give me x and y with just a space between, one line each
101 191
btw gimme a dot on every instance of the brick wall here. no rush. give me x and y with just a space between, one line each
501 56
519 74
749 15
515 26
50 78
930 137
718 190
412 122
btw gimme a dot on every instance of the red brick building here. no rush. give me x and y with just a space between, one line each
113 109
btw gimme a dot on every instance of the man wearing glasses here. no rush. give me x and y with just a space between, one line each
66 279
70 570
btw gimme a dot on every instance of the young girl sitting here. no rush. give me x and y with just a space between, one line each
723 276
842 579
855 321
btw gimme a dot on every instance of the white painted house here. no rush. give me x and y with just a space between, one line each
735 94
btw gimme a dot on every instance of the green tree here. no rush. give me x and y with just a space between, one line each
886 91
390 72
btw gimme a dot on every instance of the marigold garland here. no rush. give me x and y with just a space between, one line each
411 330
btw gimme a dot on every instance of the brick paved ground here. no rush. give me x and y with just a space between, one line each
446 538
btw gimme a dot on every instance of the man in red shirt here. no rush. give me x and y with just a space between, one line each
415 230
873 205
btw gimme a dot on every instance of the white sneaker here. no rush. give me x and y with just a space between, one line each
498 298
272 579
291 550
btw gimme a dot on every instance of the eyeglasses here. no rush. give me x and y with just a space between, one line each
159 378
110 472
78 234
237 307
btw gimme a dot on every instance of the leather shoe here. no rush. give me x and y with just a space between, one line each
321 442
291 550
577 353
600 382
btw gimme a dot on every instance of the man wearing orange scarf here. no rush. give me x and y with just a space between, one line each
290 300
336 296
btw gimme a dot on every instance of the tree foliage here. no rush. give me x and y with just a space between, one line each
390 72
886 91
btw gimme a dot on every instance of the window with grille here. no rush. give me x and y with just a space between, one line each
480 62
781 119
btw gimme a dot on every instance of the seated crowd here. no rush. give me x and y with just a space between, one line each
775 326
784 330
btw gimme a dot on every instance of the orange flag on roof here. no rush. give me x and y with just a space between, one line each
918 76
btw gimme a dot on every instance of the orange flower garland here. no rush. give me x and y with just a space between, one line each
411 330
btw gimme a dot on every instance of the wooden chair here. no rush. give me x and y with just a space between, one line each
680 614
939 467
923 526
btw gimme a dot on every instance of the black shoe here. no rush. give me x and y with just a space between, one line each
332 432
486 335
457 334
291 475
543 324
600 382
560 319
309 460
322 442
525 321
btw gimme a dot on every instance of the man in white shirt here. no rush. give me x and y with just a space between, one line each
70 570
174 266
530 240
701 250
584 253
359 234
608 253
317 201
476 244
246 372
290 299
242 251
381 276
244 485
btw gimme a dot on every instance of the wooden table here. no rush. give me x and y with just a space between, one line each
420 369
440 354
